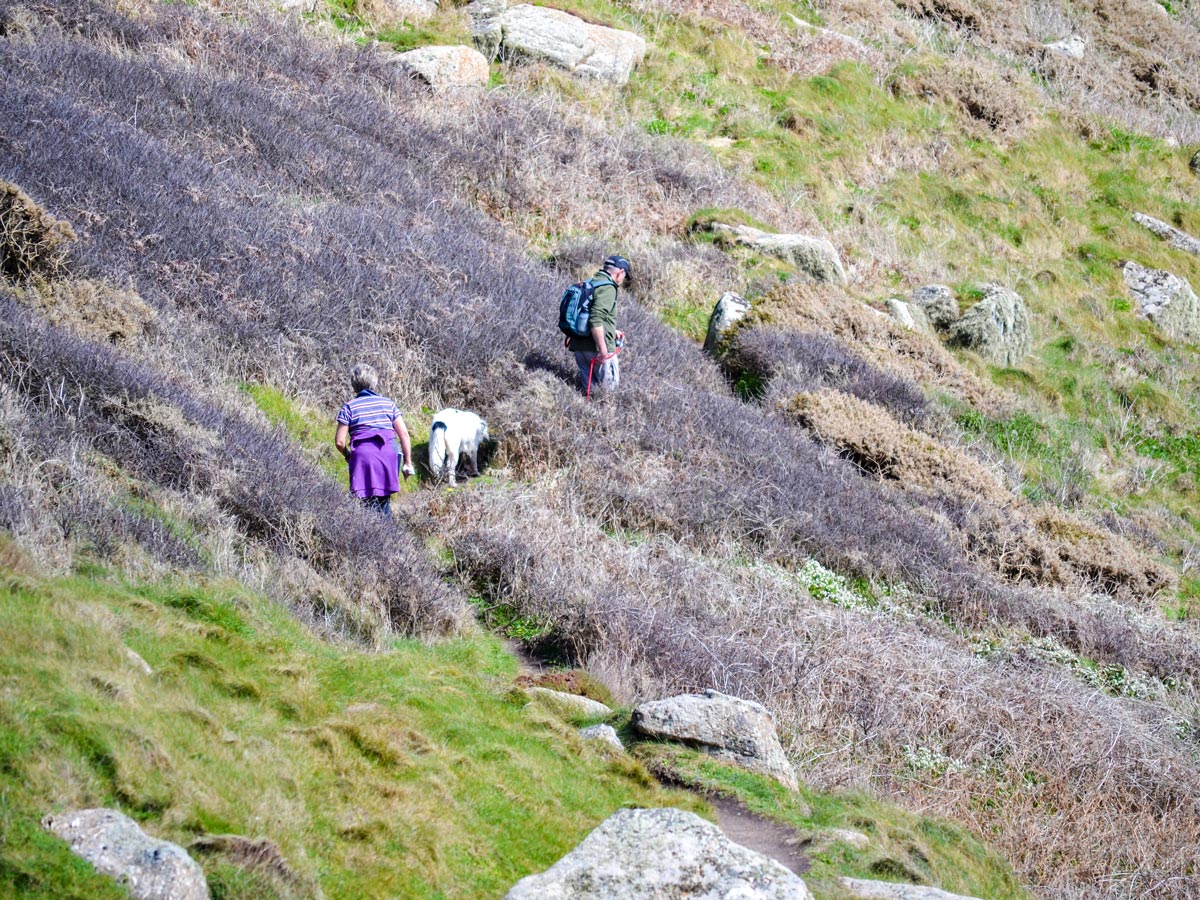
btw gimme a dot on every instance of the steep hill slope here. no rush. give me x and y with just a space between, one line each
844 520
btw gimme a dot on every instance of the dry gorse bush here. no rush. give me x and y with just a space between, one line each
32 242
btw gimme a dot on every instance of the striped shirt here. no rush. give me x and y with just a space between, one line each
368 412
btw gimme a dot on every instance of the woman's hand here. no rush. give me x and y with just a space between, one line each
407 470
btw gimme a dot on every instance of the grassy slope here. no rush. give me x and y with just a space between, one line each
410 772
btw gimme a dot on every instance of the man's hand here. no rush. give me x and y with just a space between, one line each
406 470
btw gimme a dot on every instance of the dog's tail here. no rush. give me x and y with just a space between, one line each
437 448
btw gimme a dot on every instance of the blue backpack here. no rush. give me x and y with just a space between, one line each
575 309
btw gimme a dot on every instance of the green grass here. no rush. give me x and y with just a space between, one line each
903 846
403 773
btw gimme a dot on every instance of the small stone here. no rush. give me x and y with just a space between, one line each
908 315
727 728
605 733
997 327
814 256
447 67
136 659
1074 47
729 310
939 303
569 706
885 890
1180 240
1165 299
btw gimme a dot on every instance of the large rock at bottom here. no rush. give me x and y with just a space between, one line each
1165 299
814 256
888 890
729 310
1180 240
997 327
114 844
729 728
446 67
661 854
939 303
568 41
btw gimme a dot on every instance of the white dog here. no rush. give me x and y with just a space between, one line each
455 433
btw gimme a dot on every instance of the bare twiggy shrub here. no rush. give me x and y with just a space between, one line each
31 240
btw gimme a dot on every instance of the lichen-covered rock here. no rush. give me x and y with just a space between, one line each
939 303
1180 240
567 706
728 728
997 327
664 854
447 66
908 315
814 256
886 890
568 41
1165 299
486 32
729 310
605 733
113 843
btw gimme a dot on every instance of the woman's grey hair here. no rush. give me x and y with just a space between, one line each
364 378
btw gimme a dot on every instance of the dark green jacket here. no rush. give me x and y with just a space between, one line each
604 312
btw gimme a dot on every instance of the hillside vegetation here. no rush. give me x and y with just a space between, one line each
965 589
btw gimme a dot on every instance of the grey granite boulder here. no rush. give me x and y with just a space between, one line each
1180 240
939 303
567 706
605 733
447 66
997 327
1165 299
814 256
729 310
114 844
661 854
728 728
569 42
909 315
886 890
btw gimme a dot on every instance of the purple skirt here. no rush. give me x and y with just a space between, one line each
374 463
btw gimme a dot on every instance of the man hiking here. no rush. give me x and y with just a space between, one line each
596 354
